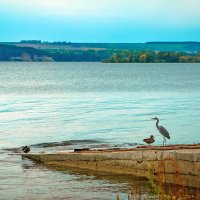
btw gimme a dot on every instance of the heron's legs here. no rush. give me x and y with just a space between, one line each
164 141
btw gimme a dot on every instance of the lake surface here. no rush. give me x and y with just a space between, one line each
89 105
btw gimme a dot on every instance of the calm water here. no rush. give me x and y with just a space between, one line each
95 105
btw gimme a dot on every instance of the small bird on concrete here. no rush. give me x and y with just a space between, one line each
149 140
26 149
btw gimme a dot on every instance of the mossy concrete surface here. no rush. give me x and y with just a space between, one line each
171 165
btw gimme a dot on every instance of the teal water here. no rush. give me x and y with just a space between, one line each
99 104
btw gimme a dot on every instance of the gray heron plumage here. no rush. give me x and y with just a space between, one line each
163 131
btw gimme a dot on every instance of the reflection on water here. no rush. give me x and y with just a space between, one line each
106 185
24 179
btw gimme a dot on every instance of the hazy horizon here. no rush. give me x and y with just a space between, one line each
43 41
100 21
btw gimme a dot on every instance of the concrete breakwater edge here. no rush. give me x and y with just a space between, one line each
178 164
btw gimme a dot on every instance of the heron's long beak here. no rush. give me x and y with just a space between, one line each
153 118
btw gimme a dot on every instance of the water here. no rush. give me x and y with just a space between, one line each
94 105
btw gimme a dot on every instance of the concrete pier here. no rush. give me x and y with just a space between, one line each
175 164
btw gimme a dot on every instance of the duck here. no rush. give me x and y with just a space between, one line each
26 149
149 140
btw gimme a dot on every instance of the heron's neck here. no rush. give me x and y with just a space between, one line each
157 123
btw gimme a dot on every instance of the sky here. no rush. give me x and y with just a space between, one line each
100 20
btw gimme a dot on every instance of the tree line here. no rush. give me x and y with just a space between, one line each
153 57
14 53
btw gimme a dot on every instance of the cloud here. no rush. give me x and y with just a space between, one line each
108 7
152 12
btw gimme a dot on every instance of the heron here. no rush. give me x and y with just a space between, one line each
149 140
26 149
162 130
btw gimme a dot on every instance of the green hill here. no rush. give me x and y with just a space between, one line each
36 50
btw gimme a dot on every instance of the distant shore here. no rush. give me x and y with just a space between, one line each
151 52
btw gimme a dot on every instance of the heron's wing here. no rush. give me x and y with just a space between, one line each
164 132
